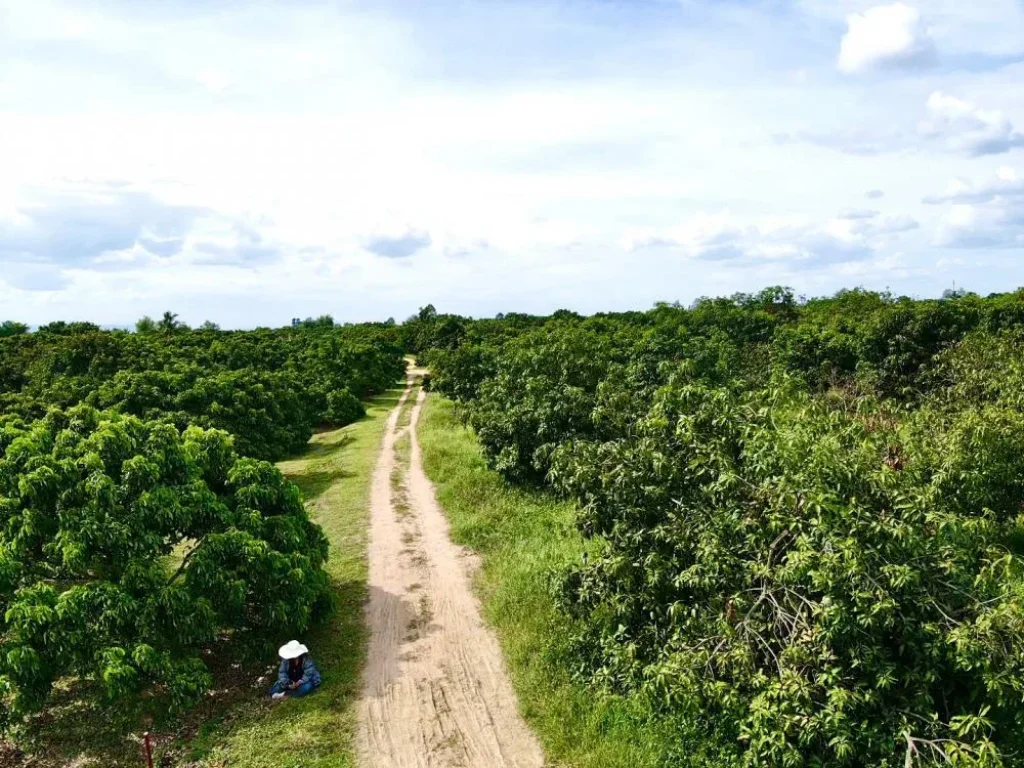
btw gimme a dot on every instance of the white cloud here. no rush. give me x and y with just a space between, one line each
857 213
398 244
951 124
726 237
886 36
1006 184
980 226
106 224
985 215
963 127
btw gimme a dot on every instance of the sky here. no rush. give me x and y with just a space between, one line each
249 162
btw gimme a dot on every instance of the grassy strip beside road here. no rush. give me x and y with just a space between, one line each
521 537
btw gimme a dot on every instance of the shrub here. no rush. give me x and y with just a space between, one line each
343 408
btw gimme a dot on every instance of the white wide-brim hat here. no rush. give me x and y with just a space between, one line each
292 650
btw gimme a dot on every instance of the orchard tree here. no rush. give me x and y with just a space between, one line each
126 546
145 324
810 585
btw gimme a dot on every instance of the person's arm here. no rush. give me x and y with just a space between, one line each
282 675
309 672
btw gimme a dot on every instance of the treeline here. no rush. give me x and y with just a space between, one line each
809 514
268 388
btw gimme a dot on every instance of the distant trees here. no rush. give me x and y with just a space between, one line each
324 321
169 323
270 389
145 324
12 328
63 328
270 413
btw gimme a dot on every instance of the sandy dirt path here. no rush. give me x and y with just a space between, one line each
435 689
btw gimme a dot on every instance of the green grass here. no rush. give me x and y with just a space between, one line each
522 537
405 415
399 471
239 726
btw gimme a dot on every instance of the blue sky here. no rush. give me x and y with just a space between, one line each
250 162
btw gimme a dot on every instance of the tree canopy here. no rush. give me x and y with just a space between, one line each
806 515
126 545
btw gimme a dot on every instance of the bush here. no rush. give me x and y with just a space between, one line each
343 408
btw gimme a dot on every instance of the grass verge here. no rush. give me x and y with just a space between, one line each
521 538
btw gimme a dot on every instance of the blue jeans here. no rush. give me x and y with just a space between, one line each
302 690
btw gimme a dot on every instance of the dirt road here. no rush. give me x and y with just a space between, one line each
435 689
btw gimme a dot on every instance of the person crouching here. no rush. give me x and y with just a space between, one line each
297 675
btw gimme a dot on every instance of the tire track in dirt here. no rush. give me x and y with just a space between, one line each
435 689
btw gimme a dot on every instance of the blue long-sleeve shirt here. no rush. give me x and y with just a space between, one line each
310 674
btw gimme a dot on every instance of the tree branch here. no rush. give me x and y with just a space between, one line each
184 562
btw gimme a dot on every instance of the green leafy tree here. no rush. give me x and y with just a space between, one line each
269 414
343 408
61 327
168 323
806 516
807 584
96 510
145 324
323 321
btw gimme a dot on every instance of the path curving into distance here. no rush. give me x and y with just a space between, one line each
435 689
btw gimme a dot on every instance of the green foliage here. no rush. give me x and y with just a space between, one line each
12 328
805 581
92 507
62 327
137 523
269 388
461 371
324 321
270 415
169 323
145 324
343 408
806 515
